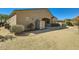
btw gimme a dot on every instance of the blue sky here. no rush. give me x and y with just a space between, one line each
60 13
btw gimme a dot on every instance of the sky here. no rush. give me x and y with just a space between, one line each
60 13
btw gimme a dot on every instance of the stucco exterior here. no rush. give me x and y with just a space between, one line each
25 17
12 21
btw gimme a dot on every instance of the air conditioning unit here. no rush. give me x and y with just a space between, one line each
42 24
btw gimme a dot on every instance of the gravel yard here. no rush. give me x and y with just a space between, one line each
64 39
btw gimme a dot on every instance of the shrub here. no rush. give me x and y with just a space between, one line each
1 24
30 26
7 26
64 25
17 29
69 23
55 24
9 37
1 38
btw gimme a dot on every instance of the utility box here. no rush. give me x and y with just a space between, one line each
42 24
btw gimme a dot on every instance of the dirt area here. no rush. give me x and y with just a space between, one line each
3 31
64 39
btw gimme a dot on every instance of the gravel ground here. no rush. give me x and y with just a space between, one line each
64 39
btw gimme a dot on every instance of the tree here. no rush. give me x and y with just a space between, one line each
3 19
68 22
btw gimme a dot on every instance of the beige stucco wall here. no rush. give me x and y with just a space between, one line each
25 17
12 20
54 20
29 16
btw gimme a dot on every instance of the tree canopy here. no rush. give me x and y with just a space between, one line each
3 17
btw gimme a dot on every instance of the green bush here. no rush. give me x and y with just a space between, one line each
17 29
69 23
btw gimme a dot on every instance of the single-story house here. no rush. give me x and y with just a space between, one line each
75 20
40 18
61 22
